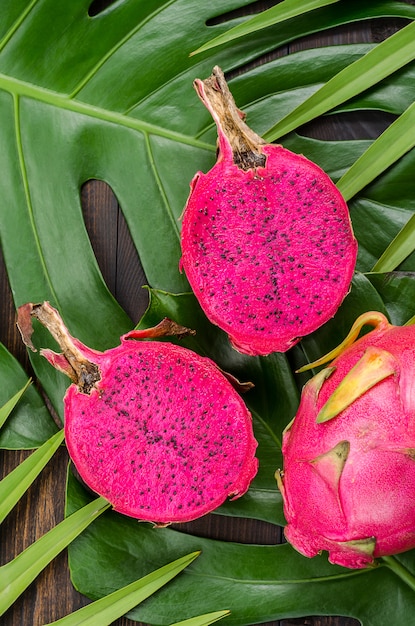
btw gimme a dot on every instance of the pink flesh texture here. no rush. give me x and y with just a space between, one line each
164 436
269 253
373 496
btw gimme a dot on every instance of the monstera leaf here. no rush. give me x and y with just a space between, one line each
108 95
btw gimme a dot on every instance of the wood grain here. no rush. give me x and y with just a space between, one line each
51 596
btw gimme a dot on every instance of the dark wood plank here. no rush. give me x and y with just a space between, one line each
114 249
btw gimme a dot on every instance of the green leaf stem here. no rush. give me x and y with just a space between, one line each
400 570
116 604
14 485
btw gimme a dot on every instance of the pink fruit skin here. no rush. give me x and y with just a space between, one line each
163 436
268 250
371 499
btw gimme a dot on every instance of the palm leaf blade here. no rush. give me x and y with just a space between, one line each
17 575
116 604
14 485
392 144
380 62
7 408
283 11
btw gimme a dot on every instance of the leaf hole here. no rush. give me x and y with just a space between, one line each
319 621
249 9
114 248
99 6
226 528
350 125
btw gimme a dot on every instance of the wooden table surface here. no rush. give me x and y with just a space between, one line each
51 596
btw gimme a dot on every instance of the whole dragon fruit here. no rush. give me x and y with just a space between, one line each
348 481
267 243
154 428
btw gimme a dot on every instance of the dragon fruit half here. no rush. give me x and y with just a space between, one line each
154 428
348 482
267 243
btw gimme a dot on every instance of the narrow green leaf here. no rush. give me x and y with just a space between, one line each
400 570
17 575
380 62
400 247
30 424
109 608
203 620
283 11
392 144
13 486
397 291
7 408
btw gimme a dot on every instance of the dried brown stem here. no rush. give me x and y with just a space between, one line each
72 362
245 144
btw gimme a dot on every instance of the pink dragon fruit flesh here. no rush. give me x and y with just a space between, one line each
154 428
267 242
348 481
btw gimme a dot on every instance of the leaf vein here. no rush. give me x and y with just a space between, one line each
116 47
160 187
14 27
282 581
26 187
20 88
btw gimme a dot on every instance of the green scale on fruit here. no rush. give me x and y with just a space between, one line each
348 478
